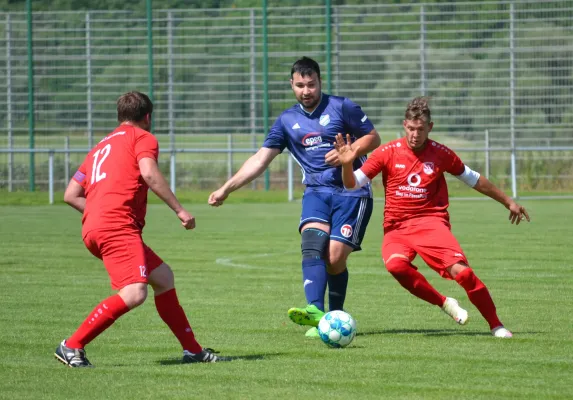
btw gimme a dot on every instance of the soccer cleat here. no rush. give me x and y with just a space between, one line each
312 333
73 358
309 315
501 332
206 356
453 309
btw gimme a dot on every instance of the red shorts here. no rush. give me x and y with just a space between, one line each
125 257
430 237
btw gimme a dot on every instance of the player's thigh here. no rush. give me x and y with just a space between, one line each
396 244
93 244
438 247
123 255
316 210
350 217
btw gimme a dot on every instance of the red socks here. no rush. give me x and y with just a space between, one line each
101 318
413 281
173 315
479 296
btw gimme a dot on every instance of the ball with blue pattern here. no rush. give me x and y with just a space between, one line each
337 329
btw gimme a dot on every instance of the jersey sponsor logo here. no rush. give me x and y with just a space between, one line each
364 118
414 180
296 126
324 119
346 230
312 139
412 191
428 168
402 166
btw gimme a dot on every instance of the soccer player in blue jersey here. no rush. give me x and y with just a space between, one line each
333 220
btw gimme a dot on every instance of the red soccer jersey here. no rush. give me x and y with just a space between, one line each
414 182
116 194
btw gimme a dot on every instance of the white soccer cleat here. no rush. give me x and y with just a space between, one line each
501 332
453 309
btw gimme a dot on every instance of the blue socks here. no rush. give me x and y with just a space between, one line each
337 285
314 278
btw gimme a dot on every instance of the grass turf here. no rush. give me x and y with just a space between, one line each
239 272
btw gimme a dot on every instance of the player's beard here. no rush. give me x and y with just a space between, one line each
310 103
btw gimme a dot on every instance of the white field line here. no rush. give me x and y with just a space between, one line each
242 263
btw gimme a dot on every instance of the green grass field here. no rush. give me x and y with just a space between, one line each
239 272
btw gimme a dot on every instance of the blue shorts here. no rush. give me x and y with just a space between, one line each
347 216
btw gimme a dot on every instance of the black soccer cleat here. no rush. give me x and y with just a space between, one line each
73 358
207 355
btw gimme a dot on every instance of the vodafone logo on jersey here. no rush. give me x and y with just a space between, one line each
414 180
346 231
312 139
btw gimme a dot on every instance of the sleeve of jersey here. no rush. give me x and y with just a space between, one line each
356 121
456 165
146 146
374 164
461 171
276 138
80 175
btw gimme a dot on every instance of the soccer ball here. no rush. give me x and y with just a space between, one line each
337 329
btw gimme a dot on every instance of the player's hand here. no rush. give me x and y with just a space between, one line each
217 198
517 213
331 158
187 220
347 152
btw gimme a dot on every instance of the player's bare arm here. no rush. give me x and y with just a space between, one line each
252 168
517 212
366 144
154 178
75 196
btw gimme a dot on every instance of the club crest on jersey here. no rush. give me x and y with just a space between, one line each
428 168
312 139
324 119
346 230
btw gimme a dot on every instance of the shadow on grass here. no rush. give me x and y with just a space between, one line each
436 332
251 357
426 332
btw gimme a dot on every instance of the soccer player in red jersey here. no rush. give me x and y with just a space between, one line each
416 219
110 190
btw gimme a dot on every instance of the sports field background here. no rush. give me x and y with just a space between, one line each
239 272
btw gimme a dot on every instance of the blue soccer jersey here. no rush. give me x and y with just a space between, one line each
310 136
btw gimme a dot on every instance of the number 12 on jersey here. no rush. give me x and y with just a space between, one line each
97 175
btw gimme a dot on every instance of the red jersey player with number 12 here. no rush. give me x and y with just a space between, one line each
416 219
110 190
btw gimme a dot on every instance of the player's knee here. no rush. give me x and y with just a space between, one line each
314 243
134 295
337 259
398 265
162 279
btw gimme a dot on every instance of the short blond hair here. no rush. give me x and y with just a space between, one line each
419 109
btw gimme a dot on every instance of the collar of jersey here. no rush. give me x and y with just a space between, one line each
308 114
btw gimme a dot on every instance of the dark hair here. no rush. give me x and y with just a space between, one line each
305 67
133 106
419 109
